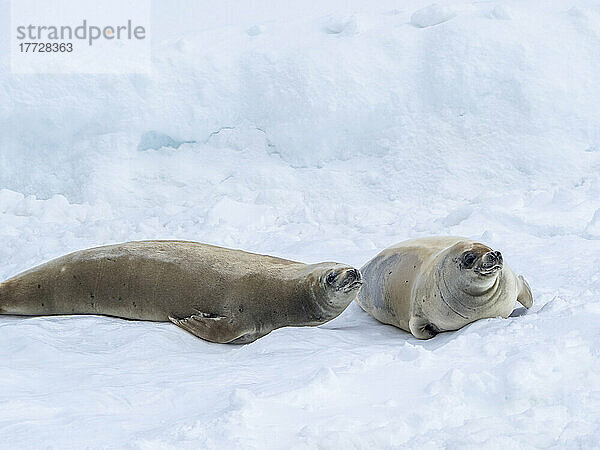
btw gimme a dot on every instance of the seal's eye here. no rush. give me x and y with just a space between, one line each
469 258
331 276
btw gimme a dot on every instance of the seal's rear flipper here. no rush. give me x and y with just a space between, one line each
524 297
211 327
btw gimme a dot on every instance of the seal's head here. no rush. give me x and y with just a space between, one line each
333 287
474 267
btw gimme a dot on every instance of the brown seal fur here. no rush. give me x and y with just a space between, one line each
218 294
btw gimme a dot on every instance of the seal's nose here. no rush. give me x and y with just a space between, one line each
352 275
492 258
498 256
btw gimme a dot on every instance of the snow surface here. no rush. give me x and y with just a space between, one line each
315 131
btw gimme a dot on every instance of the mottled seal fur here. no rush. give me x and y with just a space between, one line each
426 286
217 294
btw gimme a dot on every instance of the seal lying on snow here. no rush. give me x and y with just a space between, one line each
437 284
215 293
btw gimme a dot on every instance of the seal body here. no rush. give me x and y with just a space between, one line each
218 294
429 285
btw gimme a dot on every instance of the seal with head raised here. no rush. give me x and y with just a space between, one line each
217 294
429 285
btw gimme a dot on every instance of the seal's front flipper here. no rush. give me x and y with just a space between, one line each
518 312
524 297
211 327
248 338
422 328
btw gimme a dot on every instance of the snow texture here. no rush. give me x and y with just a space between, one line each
431 15
315 131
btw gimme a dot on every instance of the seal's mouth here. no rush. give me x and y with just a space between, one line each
352 286
486 271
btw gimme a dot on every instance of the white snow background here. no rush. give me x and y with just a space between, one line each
315 130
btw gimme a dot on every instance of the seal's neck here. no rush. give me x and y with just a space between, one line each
470 300
315 307
296 303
